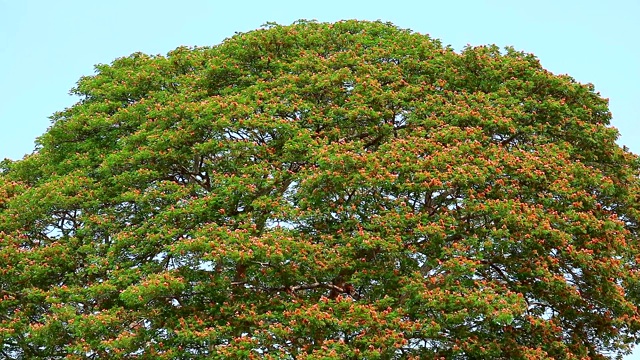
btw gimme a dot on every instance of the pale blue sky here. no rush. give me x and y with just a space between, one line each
45 46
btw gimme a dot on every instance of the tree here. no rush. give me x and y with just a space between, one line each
348 190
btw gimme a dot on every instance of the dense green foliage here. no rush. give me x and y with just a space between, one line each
347 190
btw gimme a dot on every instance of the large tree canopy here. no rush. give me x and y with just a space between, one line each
348 190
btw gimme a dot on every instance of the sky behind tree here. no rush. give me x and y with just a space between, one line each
46 46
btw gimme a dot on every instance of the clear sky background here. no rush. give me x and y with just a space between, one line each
46 46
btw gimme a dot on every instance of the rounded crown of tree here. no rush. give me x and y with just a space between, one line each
345 190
